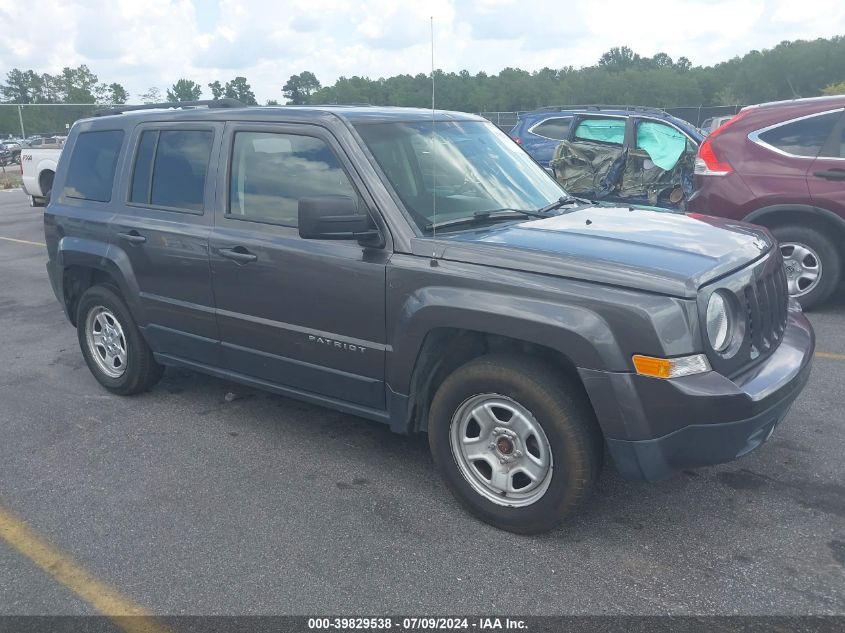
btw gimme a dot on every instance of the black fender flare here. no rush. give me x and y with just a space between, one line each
579 334
101 256
802 209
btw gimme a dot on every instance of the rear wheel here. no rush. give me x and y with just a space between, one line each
112 345
812 262
517 446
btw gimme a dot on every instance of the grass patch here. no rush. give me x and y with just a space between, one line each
10 177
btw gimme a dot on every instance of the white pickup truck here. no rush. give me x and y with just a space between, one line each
38 167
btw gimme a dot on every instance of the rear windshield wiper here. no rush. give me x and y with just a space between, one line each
480 217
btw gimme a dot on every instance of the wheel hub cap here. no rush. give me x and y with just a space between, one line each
106 341
501 450
803 268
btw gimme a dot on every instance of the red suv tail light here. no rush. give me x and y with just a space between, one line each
708 162
517 140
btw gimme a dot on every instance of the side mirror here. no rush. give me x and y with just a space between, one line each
335 218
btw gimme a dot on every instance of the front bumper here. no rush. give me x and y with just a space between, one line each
655 427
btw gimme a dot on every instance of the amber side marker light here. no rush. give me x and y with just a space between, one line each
670 367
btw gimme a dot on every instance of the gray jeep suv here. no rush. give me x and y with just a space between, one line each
419 269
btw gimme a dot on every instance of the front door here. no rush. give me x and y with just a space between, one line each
308 315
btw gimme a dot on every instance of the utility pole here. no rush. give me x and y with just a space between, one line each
20 118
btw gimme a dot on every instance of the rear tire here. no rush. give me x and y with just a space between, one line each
112 345
813 264
36 202
501 395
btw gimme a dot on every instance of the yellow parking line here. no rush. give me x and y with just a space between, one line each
127 615
830 355
12 239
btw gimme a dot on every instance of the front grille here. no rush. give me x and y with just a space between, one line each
761 298
766 300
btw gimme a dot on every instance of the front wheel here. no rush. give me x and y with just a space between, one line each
112 345
516 444
812 263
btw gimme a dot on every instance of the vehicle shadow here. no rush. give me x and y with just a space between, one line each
616 507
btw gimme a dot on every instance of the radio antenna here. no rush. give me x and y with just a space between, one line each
433 150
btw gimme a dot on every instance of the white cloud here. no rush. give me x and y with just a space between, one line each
155 42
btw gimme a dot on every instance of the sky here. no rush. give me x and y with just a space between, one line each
144 43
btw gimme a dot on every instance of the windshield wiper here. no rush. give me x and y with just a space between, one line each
563 201
480 217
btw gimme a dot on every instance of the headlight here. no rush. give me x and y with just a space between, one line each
719 322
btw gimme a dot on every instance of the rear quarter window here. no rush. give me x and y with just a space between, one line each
556 129
93 163
802 138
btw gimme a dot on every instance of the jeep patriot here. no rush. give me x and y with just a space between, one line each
421 270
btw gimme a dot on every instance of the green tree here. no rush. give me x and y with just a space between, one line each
22 86
184 90
153 95
118 94
619 58
299 88
834 89
78 85
217 89
239 89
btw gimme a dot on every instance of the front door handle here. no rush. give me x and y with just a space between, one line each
133 237
831 174
238 254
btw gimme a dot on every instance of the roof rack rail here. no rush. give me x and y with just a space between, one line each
594 106
211 103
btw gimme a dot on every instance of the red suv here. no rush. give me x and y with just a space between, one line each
782 165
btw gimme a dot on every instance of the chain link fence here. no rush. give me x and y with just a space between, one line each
41 119
55 119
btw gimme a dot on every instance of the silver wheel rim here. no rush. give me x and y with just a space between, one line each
501 450
106 341
803 268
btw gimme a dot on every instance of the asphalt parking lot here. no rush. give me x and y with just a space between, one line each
187 500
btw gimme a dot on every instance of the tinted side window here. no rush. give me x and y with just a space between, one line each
170 168
92 165
557 129
271 172
802 138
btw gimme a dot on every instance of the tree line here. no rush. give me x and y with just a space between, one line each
791 69
621 76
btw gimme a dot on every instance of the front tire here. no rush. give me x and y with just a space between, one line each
813 265
516 443
112 345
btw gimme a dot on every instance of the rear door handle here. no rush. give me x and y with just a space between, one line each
238 254
133 237
831 174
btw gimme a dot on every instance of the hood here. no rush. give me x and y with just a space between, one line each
662 252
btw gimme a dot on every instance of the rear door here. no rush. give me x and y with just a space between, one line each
163 230
826 177
593 160
793 147
307 315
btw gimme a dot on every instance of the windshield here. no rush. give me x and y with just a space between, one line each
458 169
